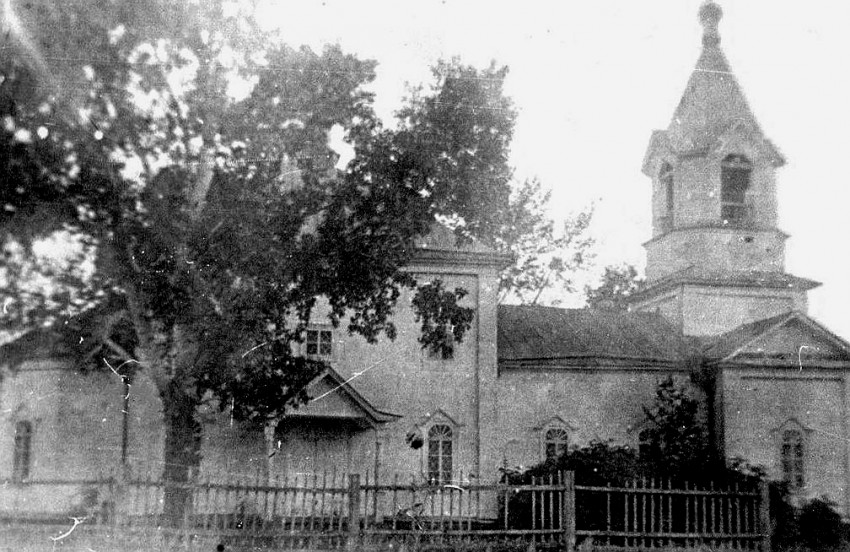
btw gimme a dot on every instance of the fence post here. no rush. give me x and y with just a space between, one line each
568 511
117 491
764 515
353 511
187 505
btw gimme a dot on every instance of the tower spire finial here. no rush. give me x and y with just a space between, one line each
710 15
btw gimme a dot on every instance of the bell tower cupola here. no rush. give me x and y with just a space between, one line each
716 258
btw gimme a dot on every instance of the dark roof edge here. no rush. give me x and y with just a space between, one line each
676 280
717 228
374 413
589 361
461 257
790 363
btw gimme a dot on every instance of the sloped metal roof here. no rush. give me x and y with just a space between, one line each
730 343
548 333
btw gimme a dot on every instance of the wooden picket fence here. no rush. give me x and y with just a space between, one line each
652 513
347 511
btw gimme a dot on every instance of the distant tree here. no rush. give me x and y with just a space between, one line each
548 255
618 284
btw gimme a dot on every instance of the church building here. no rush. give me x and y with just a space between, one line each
527 382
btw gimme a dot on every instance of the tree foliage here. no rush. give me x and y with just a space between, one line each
673 444
617 285
820 526
458 133
466 117
547 255
443 323
187 151
674 436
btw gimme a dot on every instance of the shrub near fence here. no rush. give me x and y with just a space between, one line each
347 511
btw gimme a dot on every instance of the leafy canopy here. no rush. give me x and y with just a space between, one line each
187 150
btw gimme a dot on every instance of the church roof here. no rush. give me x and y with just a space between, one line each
791 335
68 337
441 245
717 347
549 333
712 105
334 398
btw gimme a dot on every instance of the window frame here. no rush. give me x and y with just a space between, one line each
668 181
319 343
442 473
22 457
437 356
736 172
792 456
562 444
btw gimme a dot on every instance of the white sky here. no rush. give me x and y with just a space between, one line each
592 79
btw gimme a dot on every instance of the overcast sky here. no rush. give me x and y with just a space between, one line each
592 79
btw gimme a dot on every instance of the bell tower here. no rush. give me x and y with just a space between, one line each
716 258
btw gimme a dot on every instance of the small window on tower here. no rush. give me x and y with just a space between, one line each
735 172
665 178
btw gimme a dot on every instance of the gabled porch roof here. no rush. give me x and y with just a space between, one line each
334 398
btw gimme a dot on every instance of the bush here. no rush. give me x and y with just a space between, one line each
815 526
820 526
598 463
601 463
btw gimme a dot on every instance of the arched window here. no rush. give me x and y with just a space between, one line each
793 451
22 455
440 454
735 172
555 442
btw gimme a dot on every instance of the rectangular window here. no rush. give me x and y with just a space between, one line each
22 455
735 177
319 343
793 470
670 197
735 184
446 350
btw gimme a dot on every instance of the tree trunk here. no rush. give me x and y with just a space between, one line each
182 453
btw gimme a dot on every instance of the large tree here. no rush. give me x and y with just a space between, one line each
186 151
